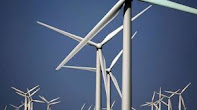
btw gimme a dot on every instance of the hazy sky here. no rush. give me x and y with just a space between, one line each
164 51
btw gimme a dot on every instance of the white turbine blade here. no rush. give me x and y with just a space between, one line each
45 100
173 5
164 103
103 69
113 104
186 87
83 106
116 84
115 59
33 88
38 101
133 108
157 108
134 35
102 23
81 68
13 106
21 105
18 90
20 94
171 92
34 92
72 36
136 16
183 103
146 104
55 103
90 107
161 94
174 94
111 35
54 99
153 96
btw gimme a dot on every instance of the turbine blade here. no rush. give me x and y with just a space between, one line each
18 90
113 104
54 99
115 59
33 88
55 103
116 31
146 104
186 87
171 92
81 68
20 94
116 84
164 103
34 92
13 106
153 96
72 36
90 107
173 5
38 101
133 108
102 23
134 35
183 103
111 35
45 100
103 69
83 106
139 14
174 94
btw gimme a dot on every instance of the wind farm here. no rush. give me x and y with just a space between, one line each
105 63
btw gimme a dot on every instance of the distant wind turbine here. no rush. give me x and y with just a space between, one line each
51 102
181 101
169 104
25 95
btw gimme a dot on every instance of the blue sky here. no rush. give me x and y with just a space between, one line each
164 51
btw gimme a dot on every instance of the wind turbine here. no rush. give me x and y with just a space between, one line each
153 103
25 95
83 106
16 107
181 101
51 102
110 76
31 100
98 47
169 104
